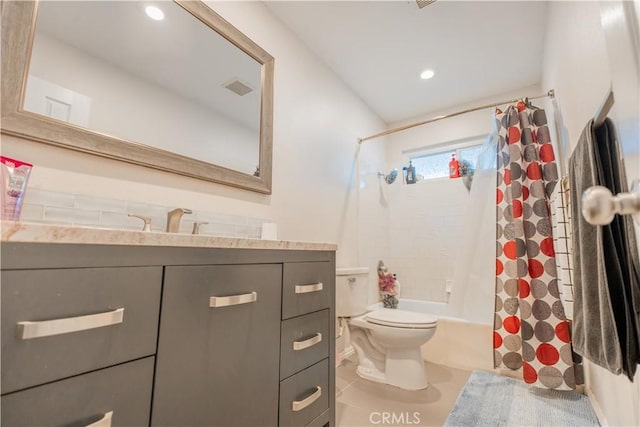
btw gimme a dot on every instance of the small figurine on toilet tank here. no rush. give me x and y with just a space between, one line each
388 286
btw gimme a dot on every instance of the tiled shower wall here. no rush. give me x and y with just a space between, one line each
425 235
76 209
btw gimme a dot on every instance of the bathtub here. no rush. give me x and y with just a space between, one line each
457 342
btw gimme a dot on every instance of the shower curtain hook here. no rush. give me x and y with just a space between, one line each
527 102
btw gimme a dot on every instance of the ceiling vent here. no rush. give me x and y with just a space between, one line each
424 3
237 87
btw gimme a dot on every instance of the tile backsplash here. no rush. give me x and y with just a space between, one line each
75 209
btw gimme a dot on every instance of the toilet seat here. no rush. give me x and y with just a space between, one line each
401 319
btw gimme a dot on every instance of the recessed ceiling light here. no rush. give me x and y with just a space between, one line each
154 13
427 74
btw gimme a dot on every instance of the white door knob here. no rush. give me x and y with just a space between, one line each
599 205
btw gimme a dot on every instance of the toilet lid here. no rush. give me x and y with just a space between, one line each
401 318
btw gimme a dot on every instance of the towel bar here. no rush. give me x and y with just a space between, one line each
599 206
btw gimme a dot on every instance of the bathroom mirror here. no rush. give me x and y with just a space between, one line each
173 87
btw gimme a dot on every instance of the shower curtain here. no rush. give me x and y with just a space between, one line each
473 294
530 328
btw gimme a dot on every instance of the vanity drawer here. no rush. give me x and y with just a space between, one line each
123 390
64 322
306 287
305 396
304 340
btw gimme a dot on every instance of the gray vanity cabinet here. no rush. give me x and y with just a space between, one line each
166 336
219 346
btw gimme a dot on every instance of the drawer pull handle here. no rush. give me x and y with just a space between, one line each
303 289
105 421
233 300
299 405
301 345
27 330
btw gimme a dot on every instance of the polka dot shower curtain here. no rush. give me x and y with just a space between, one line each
531 331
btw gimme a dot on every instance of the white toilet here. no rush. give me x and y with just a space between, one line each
387 341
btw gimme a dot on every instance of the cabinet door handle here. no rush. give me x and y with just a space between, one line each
301 345
27 330
299 405
313 287
233 300
105 421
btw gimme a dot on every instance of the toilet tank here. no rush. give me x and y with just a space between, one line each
352 289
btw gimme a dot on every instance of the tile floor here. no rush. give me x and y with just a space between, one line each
363 403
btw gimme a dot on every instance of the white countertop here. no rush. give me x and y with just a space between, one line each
57 233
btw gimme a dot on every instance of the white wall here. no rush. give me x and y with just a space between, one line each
317 120
126 106
576 65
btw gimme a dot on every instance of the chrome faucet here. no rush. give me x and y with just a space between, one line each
196 227
173 219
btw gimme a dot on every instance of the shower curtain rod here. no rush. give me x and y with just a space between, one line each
550 94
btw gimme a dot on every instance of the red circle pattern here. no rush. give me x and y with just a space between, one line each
510 249
529 374
536 269
547 354
546 153
523 288
562 332
497 340
511 324
514 135
517 208
546 246
534 172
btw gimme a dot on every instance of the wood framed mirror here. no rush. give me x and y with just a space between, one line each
188 94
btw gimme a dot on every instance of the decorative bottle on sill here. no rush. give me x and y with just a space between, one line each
454 167
411 174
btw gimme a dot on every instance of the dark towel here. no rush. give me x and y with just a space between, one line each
606 266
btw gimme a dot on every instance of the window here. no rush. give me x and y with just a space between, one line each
436 164
469 154
433 166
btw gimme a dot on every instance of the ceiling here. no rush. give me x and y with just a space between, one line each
379 48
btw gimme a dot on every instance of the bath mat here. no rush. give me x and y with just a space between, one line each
492 400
